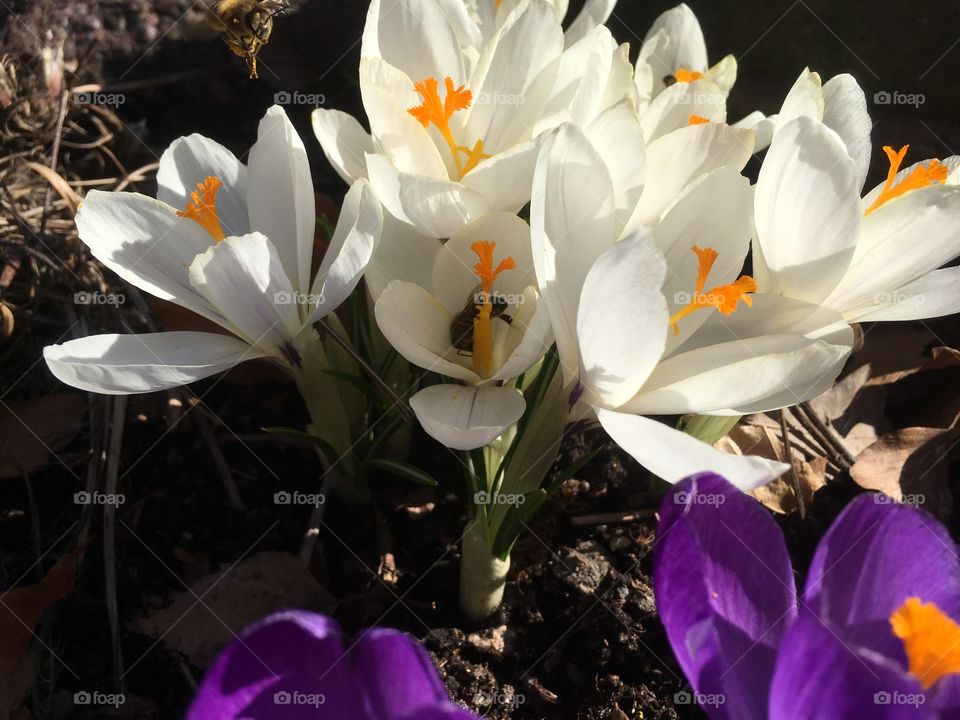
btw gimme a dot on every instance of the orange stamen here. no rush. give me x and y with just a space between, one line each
686 76
482 326
203 208
697 120
920 176
433 110
723 297
931 640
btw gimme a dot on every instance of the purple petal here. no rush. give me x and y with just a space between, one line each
395 673
873 557
725 590
818 677
289 662
448 711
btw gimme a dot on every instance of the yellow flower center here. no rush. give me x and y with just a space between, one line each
723 297
433 110
687 76
931 640
920 176
697 120
203 207
482 327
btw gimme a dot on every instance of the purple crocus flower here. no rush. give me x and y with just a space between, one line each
876 633
294 665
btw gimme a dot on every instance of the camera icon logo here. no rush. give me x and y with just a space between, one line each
82 698
282 498
682 698
282 697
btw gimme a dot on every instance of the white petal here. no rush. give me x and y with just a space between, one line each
671 109
674 455
845 112
678 158
244 278
593 14
122 364
581 80
932 295
463 25
414 36
519 66
762 127
900 241
145 243
572 223
622 320
537 337
616 134
353 244
280 194
504 180
723 74
807 212
434 207
344 142
189 161
465 418
805 99
418 326
684 46
403 254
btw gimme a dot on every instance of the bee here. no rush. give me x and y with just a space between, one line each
669 80
461 327
246 25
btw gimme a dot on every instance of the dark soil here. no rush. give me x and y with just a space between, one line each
577 636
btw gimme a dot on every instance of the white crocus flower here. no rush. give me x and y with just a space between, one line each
874 258
236 250
637 325
475 21
477 320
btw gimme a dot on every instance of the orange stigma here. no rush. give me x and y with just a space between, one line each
931 640
203 207
697 120
433 110
687 76
920 176
723 297
482 326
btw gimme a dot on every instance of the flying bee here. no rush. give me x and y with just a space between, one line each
461 327
246 25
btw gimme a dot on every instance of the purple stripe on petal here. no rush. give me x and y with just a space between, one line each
725 590
873 557
818 677
395 673
286 653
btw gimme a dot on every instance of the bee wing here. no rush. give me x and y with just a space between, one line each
280 7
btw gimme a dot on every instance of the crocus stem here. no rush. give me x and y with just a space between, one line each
482 575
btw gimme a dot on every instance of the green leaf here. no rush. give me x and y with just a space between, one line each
367 388
328 450
403 470
515 520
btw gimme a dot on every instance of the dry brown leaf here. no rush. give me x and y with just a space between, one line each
765 441
21 609
32 429
236 597
909 465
